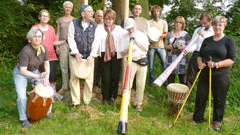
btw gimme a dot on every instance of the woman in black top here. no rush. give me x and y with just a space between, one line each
222 49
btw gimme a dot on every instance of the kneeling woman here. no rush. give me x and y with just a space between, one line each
31 57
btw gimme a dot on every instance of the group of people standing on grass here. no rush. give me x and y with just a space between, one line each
103 44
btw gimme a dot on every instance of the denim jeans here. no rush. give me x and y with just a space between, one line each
20 82
161 53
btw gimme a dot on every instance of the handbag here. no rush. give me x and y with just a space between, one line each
143 61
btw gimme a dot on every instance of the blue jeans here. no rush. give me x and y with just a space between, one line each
20 82
161 53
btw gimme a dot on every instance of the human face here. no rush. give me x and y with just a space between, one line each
37 38
131 30
68 9
88 14
44 18
205 23
108 21
98 16
156 13
137 10
218 28
178 25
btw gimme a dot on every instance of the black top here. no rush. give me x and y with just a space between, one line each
220 50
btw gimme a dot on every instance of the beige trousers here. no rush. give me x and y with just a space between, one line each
141 74
63 56
75 85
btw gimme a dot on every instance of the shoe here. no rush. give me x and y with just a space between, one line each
74 106
26 124
139 108
105 102
111 101
49 117
216 126
192 122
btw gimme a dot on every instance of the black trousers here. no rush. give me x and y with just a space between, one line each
53 70
96 72
110 73
220 86
182 78
192 71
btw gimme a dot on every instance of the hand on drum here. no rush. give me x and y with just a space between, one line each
42 75
78 57
89 60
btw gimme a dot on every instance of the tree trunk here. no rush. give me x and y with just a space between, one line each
122 9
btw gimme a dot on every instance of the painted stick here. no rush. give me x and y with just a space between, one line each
122 125
163 77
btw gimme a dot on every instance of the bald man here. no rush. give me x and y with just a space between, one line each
99 16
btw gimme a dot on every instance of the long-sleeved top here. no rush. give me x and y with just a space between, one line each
99 42
81 36
198 43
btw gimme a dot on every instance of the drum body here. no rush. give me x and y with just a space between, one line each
39 102
177 93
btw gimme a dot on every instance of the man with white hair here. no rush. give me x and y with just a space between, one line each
80 37
139 64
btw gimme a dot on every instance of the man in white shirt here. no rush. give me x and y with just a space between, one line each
204 32
80 38
140 48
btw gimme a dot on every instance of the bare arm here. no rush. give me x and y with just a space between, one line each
57 43
201 65
164 35
27 73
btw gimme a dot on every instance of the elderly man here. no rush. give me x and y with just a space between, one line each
157 47
99 17
140 48
80 37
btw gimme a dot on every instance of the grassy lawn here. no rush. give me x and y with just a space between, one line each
99 119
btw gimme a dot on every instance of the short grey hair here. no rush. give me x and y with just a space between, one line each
67 2
33 31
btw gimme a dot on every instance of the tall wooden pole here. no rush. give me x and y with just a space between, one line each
122 9
84 2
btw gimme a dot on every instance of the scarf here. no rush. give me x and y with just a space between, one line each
39 48
110 46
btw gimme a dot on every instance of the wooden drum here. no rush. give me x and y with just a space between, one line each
39 102
177 93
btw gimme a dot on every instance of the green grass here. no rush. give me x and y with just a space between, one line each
103 120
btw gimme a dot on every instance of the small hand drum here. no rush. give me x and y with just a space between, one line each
177 93
154 34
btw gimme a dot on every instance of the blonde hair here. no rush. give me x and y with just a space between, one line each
182 20
111 14
44 10
220 19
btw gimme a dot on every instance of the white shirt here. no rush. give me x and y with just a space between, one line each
141 39
198 43
85 25
99 44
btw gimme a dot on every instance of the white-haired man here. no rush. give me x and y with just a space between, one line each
139 64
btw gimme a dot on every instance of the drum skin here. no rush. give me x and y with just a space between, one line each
37 107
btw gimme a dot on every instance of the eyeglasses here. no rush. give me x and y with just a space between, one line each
90 11
178 22
45 16
39 37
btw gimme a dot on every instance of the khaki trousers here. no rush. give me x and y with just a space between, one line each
141 74
63 56
75 85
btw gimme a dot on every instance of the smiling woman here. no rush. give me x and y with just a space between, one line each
50 38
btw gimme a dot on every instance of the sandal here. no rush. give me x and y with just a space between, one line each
217 126
139 108
26 124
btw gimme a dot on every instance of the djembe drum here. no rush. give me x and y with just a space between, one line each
177 93
39 102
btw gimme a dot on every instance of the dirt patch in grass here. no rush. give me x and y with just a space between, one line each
90 111
72 115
